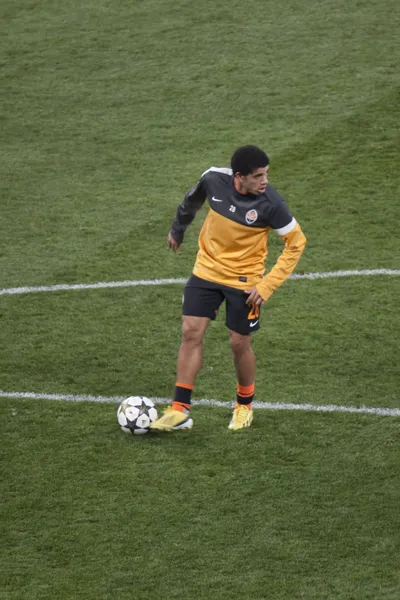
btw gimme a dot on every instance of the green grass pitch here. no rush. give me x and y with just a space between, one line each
110 111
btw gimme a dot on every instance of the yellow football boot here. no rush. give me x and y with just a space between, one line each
242 417
172 419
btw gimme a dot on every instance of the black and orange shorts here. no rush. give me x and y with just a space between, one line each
202 298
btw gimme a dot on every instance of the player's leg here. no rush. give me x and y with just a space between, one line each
201 301
190 355
245 366
200 305
242 321
243 358
190 358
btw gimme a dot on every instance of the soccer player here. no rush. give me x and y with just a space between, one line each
230 267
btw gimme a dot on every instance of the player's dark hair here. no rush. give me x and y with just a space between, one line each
247 159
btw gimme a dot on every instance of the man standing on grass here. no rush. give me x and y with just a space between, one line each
230 267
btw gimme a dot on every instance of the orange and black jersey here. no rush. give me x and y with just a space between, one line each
233 239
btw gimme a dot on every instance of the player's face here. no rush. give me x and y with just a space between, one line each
255 183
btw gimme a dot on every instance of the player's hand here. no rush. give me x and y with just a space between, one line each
173 244
254 297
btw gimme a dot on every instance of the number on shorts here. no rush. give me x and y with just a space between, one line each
254 312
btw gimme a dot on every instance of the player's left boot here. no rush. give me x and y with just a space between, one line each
172 419
242 417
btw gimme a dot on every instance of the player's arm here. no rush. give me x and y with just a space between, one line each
295 241
191 204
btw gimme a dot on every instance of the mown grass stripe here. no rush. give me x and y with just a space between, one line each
142 282
390 412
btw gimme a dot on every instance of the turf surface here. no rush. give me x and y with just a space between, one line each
110 111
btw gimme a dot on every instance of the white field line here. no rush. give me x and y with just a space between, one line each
123 284
389 412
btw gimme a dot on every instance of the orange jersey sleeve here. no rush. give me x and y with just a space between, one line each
295 242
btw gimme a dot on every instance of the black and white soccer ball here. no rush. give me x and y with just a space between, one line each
135 414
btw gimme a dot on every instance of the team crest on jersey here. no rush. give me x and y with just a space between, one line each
251 216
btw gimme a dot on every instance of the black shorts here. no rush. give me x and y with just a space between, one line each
202 298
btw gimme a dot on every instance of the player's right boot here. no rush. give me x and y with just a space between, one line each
172 419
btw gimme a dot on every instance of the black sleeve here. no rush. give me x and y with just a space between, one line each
192 202
280 216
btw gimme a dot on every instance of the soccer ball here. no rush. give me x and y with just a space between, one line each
135 414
